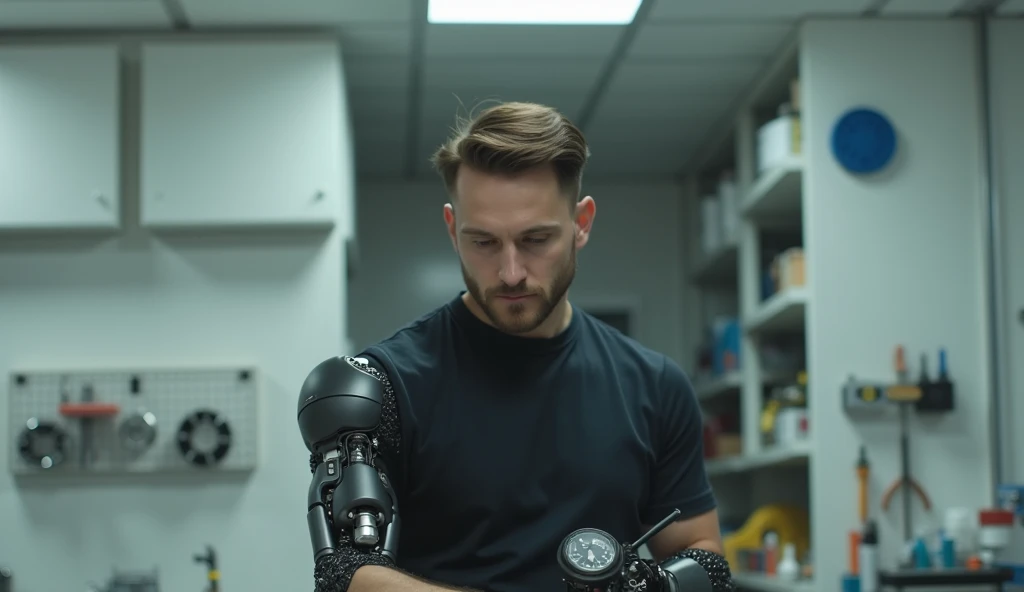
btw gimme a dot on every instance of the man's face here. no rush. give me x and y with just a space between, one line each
517 239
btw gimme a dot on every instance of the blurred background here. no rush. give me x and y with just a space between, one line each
808 204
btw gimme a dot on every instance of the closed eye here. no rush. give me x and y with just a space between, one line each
536 240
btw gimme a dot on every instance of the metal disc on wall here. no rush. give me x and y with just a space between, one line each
138 431
863 141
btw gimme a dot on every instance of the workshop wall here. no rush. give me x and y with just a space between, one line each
1007 96
407 265
897 259
273 300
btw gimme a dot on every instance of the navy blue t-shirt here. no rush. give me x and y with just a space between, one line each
511 443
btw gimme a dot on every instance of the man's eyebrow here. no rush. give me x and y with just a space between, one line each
548 227
475 231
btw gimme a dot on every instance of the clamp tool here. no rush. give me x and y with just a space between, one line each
905 481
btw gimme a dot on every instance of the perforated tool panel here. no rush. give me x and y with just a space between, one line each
222 436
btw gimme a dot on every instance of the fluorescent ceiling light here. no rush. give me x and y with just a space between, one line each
533 12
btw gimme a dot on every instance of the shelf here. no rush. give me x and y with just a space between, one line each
790 455
777 194
782 313
727 384
764 583
718 268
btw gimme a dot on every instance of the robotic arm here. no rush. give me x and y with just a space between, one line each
593 561
347 416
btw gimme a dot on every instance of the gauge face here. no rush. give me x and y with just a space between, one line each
590 552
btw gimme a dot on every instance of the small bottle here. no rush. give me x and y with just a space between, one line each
869 558
789 567
771 553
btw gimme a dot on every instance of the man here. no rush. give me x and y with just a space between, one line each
522 418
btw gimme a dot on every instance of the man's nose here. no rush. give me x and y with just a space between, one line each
512 272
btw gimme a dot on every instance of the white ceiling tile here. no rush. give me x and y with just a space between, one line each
1012 7
376 40
710 39
446 103
60 14
449 73
685 76
753 9
933 7
296 12
520 41
380 73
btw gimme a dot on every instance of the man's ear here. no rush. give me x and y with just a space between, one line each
449 221
586 209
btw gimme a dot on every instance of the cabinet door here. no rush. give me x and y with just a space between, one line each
59 137
242 134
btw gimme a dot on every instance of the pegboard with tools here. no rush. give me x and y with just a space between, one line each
133 421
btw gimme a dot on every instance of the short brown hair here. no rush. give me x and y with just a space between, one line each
514 137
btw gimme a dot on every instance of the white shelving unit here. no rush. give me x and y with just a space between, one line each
782 313
768 203
772 457
729 384
776 193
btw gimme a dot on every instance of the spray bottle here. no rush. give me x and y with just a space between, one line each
869 558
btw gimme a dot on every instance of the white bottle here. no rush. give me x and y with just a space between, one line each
789 568
868 554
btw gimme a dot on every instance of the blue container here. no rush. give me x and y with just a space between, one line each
851 583
726 352
922 558
948 552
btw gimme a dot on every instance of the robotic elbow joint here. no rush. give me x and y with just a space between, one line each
350 500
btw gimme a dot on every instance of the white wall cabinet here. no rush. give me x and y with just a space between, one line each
242 134
59 137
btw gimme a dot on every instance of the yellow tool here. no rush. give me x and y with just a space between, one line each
212 573
863 471
790 523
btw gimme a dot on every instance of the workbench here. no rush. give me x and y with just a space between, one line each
918 578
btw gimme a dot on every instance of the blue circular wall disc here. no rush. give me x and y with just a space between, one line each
863 141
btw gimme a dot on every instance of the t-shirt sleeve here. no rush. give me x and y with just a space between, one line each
679 479
391 433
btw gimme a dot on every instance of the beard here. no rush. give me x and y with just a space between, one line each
522 317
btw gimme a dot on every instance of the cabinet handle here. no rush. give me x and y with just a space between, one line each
318 196
101 199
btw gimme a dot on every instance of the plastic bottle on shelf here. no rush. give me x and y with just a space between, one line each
789 568
771 552
869 558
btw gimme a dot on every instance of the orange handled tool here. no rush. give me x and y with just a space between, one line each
863 469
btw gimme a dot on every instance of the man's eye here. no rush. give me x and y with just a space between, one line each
484 242
536 240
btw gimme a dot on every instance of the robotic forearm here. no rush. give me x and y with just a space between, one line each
696 570
347 418
593 561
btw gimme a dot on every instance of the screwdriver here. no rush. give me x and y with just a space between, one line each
863 468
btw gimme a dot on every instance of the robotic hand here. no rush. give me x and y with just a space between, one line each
347 417
593 561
